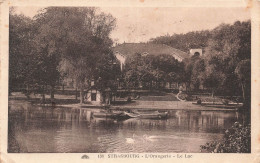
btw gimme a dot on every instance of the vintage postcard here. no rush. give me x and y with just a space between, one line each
146 81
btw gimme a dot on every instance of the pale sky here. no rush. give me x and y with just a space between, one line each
139 24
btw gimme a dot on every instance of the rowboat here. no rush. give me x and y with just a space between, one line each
110 114
132 115
150 115
154 115
103 115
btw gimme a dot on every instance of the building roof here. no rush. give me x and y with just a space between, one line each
94 87
127 49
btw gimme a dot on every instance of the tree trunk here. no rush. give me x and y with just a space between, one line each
43 98
27 88
81 95
187 86
212 92
243 92
27 92
76 95
52 93
43 95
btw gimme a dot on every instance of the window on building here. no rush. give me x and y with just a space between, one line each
196 54
93 96
92 83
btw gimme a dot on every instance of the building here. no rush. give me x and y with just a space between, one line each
126 49
97 97
196 52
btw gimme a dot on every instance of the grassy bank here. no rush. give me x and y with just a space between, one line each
161 101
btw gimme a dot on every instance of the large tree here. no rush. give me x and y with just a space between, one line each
243 71
224 47
135 71
144 70
20 45
33 55
229 46
79 37
194 73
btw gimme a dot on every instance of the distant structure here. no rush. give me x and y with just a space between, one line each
124 50
196 52
97 96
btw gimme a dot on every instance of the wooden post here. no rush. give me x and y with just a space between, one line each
76 95
81 95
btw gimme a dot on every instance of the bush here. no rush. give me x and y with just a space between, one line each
189 97
183 96
236 140
225 102
199 101
129 99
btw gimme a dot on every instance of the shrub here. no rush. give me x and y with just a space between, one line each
183 96
236 140
199 101
129 99
188 97
225 102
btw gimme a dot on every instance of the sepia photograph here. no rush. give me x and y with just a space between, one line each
129 80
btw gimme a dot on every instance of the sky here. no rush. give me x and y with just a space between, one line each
140 24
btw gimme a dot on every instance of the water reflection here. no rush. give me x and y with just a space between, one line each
42 129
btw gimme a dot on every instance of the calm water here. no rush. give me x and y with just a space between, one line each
42 129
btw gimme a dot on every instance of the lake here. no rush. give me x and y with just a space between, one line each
42 129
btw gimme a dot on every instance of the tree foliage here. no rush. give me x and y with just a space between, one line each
62 41
80 37
20 44
237 139
227 49
185 42
74 42
194 73
243 72
229 45
143 70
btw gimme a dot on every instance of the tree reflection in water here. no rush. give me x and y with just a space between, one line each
42 129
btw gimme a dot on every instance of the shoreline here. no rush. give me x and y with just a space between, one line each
163 105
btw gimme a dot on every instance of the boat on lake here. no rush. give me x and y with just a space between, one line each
117 114
132 115
110 114
148 115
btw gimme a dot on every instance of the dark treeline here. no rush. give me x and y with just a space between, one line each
58 43
185 42
225 66
152 72
61 43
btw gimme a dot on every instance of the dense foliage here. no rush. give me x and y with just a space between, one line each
73 42
151 71
225 65
229 46
185 42
237 139
20 42
61 42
